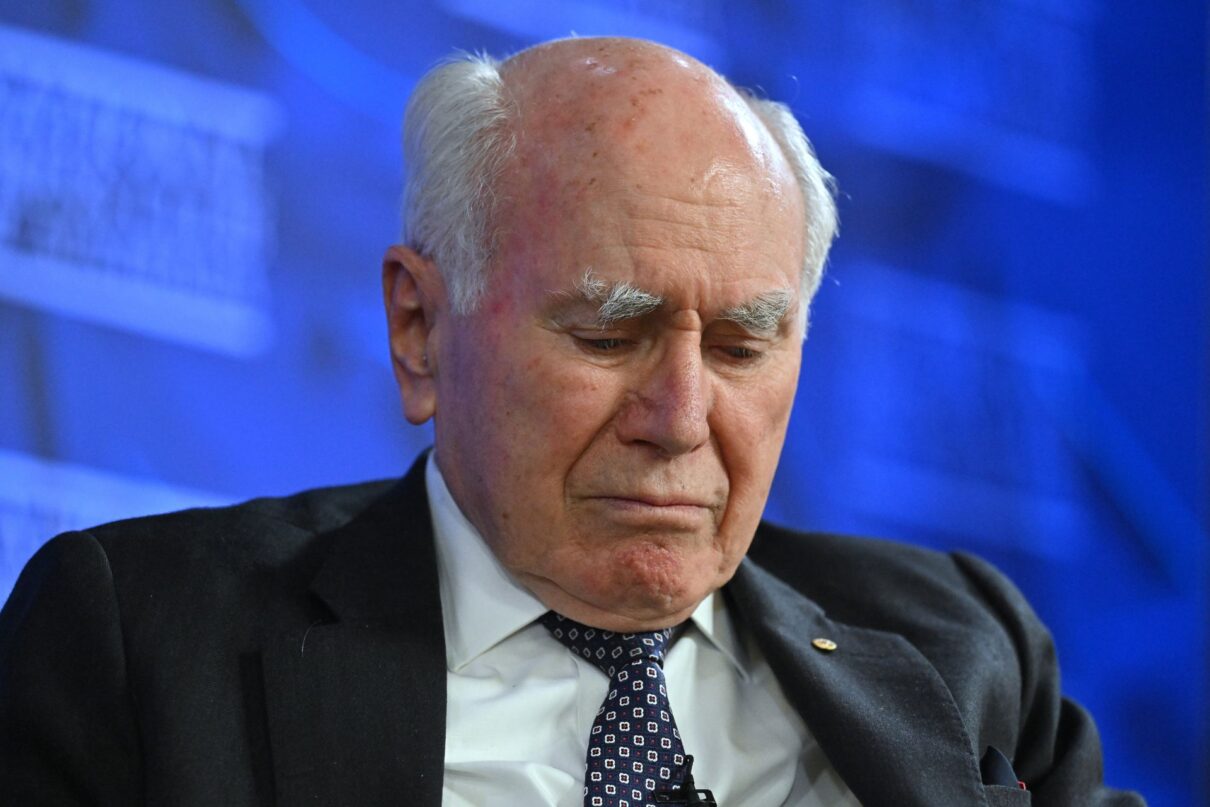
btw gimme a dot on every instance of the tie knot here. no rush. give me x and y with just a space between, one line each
606 649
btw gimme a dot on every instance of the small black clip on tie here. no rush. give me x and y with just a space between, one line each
686 793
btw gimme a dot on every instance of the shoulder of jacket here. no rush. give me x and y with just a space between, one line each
874 581
260 533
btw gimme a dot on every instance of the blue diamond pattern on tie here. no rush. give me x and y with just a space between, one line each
634 748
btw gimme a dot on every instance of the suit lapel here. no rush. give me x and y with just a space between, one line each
356 705
876 706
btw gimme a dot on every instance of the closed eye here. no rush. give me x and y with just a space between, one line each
602 345
739 353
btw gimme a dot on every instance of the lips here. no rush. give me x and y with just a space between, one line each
645 509
644 500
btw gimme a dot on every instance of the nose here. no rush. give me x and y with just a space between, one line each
670 404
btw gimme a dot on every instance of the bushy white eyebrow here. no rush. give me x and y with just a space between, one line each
763 313
616 301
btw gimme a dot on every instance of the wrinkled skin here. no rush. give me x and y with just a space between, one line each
618 470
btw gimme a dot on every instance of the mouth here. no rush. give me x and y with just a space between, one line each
667 511
654 501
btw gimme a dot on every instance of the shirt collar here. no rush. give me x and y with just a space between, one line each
482 605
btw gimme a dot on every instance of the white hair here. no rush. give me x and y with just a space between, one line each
458 138
817 186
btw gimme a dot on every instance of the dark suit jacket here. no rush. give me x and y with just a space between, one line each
290 651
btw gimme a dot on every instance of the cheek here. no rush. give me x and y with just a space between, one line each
569 400
546 417
750 425
535 418
751 421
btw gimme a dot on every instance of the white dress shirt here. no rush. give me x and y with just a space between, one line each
520 705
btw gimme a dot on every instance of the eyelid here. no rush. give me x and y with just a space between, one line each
734 330
740 339
729 351
603 345
597 332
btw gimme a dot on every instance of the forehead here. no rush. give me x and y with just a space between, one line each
713 236
647 168
588 110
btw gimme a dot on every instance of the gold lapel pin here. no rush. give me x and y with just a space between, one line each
824 645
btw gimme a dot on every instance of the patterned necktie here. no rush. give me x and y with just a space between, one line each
634 748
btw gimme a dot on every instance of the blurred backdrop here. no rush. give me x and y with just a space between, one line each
1009 353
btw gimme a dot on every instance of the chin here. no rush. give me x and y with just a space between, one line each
655 588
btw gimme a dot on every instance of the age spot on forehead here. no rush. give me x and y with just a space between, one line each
636 100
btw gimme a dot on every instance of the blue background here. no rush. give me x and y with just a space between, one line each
1009 352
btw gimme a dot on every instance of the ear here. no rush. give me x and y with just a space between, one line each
414 296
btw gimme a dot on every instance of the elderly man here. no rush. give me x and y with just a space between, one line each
601 305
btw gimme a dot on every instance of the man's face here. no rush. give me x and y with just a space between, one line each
611 415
